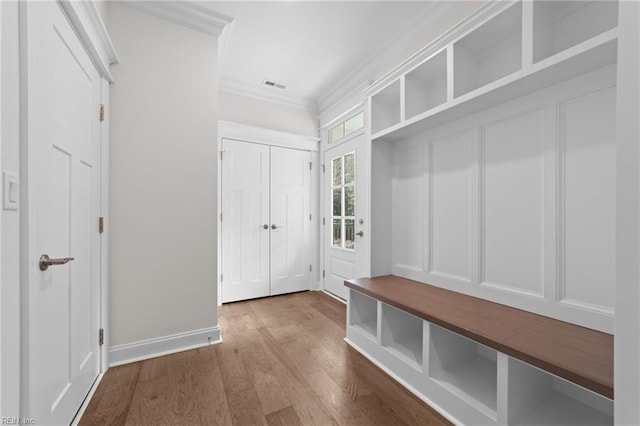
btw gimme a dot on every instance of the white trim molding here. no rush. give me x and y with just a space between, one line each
243 132
185 13
91 30
160 346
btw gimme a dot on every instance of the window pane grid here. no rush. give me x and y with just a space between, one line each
343 201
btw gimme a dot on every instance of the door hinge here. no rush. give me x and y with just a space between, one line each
220 217
323 221
310 217
101 112
323 273
221 277
323 168
101 336
310 166
101 225
310 268
222 154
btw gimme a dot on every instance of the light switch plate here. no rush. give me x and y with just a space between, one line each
11 192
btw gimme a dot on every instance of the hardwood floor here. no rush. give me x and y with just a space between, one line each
282 362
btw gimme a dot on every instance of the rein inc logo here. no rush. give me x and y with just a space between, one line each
17 421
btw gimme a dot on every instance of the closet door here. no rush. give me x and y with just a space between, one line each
245 220
290 221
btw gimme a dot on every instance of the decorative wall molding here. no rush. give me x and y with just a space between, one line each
185 13
243 132
486 12
152 348
87 22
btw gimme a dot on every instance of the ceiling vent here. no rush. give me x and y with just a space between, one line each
270 83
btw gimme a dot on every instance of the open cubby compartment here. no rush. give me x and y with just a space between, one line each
488 53
536 397
465 368
385 108
559 25
401 333
426 85
363 313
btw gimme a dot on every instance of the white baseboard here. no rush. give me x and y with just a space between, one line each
151 348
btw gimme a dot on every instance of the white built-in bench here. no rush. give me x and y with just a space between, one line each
479 362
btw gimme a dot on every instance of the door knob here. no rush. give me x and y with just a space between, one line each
46 261
265 226
275 227
360 234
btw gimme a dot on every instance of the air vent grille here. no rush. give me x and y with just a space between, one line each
270 83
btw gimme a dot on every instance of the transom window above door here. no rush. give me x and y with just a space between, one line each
346 127
343 201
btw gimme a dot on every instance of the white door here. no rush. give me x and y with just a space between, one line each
63 174
343 230
245 221
265 220
290 220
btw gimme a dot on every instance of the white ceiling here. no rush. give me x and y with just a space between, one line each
310 46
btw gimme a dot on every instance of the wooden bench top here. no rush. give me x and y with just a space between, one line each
578 354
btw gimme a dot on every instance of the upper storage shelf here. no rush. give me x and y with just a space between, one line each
522 48
559 25
488 53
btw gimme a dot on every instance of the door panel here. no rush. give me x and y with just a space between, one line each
245 206
63 174
290 203
344 214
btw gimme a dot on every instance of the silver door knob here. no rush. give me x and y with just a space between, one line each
46 261
360 234
265 226
275 227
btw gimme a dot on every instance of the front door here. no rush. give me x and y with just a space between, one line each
343 214
63 89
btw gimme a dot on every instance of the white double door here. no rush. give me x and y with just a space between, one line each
265 220
61 319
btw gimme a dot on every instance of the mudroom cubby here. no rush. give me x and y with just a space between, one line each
426 85
363 315
559 25
402 334
537 397
385 107
488 53
464 367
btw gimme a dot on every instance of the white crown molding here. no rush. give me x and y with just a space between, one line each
185 13
267 94
481 15
433 12
243 132
223 47
86 20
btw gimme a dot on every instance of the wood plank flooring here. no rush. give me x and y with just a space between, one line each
282 362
